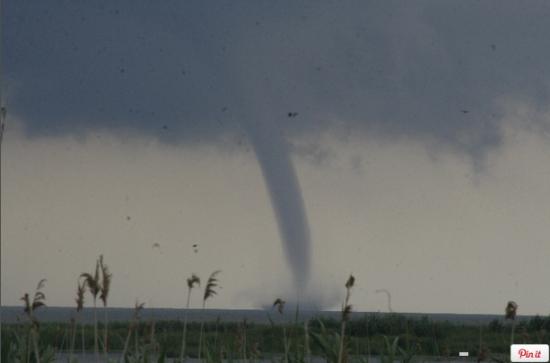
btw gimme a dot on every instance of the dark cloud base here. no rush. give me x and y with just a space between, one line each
188 72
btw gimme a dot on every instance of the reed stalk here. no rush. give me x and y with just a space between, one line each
280 305
191 282
510 314
80 290
131 328
209 292
346 311
94 286
29 309
105 287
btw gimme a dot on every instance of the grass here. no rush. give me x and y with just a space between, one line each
425 336
133 327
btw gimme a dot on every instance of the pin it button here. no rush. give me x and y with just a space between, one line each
529 352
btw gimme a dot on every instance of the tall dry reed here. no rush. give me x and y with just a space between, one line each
105 287
346 311
510 313
280 305
192 281
80 290
29 308
94 286
209 292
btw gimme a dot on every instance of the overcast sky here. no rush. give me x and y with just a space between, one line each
419 137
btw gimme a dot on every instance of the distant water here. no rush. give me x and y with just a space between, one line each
11 314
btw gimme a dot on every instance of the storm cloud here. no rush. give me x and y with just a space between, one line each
188 71
393 74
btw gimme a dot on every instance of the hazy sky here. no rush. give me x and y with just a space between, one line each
421 145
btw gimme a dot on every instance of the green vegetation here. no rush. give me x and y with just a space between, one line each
391 337
366 334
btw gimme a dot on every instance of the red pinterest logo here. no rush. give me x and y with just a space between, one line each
529 353
524 353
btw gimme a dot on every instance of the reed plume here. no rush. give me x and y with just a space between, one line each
211 284
94 286
29 308
511 310
280 305
209 292
510 314
192 281
80 290
346 312
105 287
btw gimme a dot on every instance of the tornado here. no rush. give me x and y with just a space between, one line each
272 152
